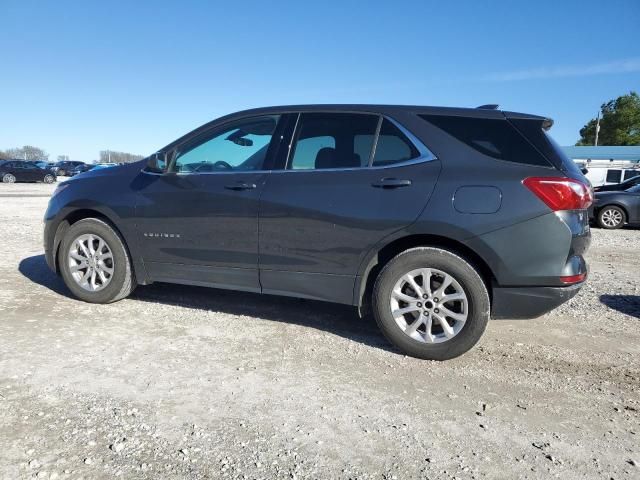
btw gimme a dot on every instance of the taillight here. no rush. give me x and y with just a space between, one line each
570 279
560 193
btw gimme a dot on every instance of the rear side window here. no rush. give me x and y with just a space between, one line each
333 140
614 176
495 138
307 150
631 173
393 146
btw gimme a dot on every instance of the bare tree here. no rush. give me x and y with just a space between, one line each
63 158
107 156
28 152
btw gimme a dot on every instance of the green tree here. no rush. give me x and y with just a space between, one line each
619 123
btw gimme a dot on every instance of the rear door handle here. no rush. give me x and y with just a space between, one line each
391 183
240 186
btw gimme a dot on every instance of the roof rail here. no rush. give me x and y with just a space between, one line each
489 106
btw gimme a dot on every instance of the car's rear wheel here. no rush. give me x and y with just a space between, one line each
611 217
95 263
48 178
8 178
431 303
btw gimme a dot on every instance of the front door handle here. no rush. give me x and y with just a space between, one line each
391 183
240 186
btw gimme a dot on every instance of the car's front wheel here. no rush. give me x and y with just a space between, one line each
95 263
611 217
48 178
431 303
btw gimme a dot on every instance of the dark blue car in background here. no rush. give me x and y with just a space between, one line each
613 209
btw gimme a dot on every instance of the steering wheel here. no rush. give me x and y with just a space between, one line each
222 163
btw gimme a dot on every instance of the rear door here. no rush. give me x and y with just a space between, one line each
33 173
347 181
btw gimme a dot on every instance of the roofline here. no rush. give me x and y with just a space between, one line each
380 109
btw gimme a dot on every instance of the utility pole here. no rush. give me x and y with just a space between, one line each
597 128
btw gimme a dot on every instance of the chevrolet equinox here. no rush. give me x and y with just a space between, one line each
434 219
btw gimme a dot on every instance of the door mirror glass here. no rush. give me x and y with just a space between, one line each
156 163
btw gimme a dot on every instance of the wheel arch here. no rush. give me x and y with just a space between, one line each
620 205
365 282
75 216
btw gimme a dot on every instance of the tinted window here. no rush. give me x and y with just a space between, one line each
634 189
333 140
492 137
614 176
393 146
241 146
307 151
630 174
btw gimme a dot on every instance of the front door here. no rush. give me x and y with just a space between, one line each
350 180
198 223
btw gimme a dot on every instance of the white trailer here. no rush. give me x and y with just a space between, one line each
608 172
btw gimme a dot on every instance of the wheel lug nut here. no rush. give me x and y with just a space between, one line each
425 296
436 310
419 304
436 299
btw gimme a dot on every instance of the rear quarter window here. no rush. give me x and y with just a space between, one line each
495 138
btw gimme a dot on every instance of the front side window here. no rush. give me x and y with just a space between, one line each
333 140
241 146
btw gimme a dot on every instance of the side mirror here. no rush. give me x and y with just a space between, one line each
156 163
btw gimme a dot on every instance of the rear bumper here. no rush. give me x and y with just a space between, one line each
529 302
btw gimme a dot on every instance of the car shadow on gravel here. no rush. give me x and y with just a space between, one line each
340 320
627 304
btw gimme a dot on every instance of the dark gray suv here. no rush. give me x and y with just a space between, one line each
432 218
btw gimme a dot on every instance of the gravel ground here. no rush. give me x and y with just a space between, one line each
187 382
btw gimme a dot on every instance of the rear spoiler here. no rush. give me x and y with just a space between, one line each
546 122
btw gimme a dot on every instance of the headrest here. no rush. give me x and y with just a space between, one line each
326 158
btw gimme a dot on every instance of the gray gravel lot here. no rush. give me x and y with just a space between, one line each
187 382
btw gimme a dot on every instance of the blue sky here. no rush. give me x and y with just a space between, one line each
83 76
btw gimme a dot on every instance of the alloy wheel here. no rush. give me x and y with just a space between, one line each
611 217
90 262
8 178
48 179
429 305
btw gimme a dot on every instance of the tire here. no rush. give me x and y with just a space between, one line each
8 178
48 178
467 283
611 217
121 281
